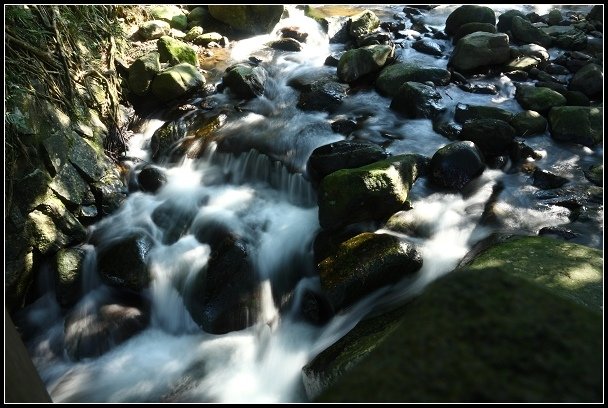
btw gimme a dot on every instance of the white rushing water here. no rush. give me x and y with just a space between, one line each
269 203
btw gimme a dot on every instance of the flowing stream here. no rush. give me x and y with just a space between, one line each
262 193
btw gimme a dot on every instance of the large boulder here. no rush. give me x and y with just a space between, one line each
465 112
172 14
577 124
588 80
416 100
176 81
142 72
324 95
505 20
356 63
468 14
365 263
344 154
363 24
489 335
122 262
469 28
245 80
250 19
225 295
524 32
456 164
480 49
393 76
369 192
538 99
492 136
528 123
175 51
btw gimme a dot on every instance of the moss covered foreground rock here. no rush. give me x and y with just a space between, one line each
483 335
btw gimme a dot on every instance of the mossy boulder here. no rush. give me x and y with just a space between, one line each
363 24
528 123
142 71
176 81
175 52
324 95
207 38
172 14
490 336
245 80
356 63
468 14
480 49
524 32
577 124
369 192
344 154
569 270
69 264
193 33
151 30
505 20
538 99
393 76
469 28
595 174
365 263
250 19
588 80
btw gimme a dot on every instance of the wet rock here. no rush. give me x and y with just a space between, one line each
393 76
555 69
596 14
466 112
88 160
492 136
91 333
122 263
286 44
110 191
469 28
536 51
336 27
315 308
175 52
225 296
450 130
468 14
375 39
595 174
250 19
546 180
175 218
528 123
456 164
294 32
416 100
505 20
69 185
574 40
151 30
52 227
176 81
558 232
538 99
369 192
193 33
173 15
427 46
356 63
142 71
323 96
245 80
576 98
365 263
559 88
524 32
517 75
151 178
68 264
363 24
523 63
588 80
576 124
480 50
344 154
344 126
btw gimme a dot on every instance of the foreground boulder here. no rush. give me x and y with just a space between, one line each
577 124
369 192
479 50
176 81
538 99
365 263
175 51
